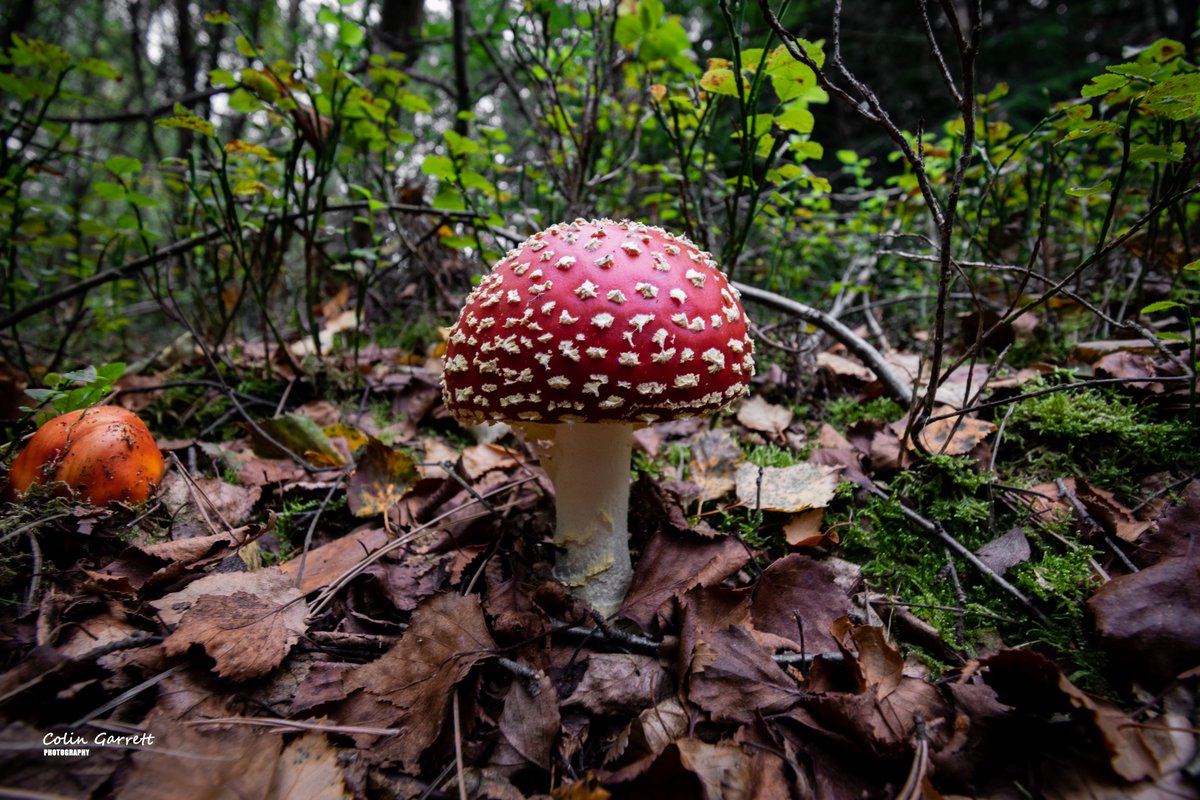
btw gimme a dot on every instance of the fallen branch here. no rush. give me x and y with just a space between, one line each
900 389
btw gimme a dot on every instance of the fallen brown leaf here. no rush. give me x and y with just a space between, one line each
671 564
714 462
308 770
758 415
530 722
417 677
620 683
248 635
328 562
1149 621
268 583
733 678
804 529
800 591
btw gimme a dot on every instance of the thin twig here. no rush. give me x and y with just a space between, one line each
458 748
937 530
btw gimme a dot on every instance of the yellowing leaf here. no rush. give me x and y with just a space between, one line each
189 122
720 81
247 186
239 147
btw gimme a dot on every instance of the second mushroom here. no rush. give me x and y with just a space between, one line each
584 331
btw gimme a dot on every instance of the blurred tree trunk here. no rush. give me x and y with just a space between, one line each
400 26
462 86
19 16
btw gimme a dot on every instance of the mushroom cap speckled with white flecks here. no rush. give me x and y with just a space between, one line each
598 321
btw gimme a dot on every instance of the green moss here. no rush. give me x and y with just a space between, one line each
845 411
904 561
1097 434
772 455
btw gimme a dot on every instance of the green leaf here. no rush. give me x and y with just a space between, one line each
123 165
299 434
795 118
141 200
1084 191
20 87
350 33
1133 70
221 77
1177 96
438 166
85 375
98 67
460 145
245 47
1156 152
107 190
1161 305
664 41
1191 266
249 186
414 103
1103 84
261 84
109 373
1098 129
244 102
449 199
473 180
218 18
805 149
628 30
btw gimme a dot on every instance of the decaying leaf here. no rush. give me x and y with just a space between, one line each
620 683
417 677
267 583
734 678
326 563
759 415
308 770
1150 620
794 488
297 433
248 635
530 722
204 763
140 566
715 458
798 592
952 436
383 476
671 564
1027 680
1006 551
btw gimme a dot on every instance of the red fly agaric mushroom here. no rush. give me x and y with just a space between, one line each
582 332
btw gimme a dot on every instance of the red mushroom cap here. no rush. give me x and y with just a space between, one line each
598 321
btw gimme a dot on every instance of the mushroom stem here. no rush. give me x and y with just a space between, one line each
589 465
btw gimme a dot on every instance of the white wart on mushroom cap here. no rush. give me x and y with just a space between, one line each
598 321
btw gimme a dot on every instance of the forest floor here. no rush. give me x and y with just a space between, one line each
821 607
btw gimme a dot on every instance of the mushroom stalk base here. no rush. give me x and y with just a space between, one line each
589 466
